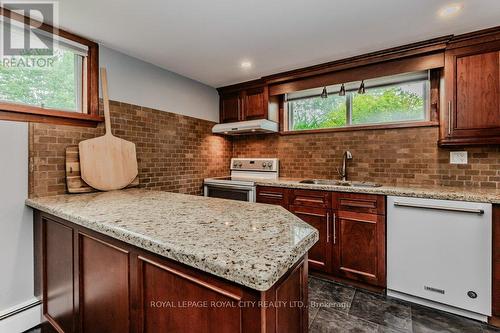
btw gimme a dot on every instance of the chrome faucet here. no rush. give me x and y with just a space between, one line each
343 171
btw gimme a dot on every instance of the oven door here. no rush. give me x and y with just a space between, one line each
228 191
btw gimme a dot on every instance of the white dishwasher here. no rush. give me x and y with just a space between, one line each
439 254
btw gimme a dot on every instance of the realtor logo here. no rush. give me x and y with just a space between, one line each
21 40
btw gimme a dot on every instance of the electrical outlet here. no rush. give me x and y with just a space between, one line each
458 157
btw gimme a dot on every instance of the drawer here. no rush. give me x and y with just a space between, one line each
361 203
272 195
311 198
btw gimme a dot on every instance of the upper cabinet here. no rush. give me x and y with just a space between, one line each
256 103
472 93
230 107
245 103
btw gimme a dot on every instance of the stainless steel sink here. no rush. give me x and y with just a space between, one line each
365 184
338 183
320 181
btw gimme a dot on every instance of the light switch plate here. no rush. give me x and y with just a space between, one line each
458 157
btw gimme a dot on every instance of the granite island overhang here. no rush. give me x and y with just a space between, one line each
125 250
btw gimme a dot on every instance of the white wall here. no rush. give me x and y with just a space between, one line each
16 220
133 81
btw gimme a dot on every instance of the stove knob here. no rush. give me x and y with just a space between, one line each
240 165
269 164
263 164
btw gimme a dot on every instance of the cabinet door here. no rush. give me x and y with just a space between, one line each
359 247
320 255
169 285
104 285
256 103
472 81
230 107
58 278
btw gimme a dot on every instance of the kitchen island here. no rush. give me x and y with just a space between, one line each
149 261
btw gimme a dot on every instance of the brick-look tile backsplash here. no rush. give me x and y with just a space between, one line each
174 152
393 157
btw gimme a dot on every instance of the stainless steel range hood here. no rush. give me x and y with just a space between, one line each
246 127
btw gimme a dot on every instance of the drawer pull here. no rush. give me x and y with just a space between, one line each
271 195
449 117
328 227
309 200
309 214
362 204
334 228
445 208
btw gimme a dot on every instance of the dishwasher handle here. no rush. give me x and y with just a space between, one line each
435 207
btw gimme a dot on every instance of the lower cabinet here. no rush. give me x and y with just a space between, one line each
104 279
273 196
352 239
360 243
94 283
359 250
320 255
58 276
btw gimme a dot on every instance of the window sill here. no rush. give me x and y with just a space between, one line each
365 127
25 113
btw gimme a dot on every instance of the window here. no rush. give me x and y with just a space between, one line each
47 83
387 100
51 82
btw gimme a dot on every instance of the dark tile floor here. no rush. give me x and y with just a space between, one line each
337 308
340 309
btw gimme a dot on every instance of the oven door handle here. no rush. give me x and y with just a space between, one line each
231 187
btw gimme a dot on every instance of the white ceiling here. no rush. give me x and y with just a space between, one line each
207 40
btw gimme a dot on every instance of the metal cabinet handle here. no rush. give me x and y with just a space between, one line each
308 214
445 208
449 117
334 228
328 227
271 195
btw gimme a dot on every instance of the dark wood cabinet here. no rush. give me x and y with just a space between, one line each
244 103
230 107
360 203
351 245
58 275
256 103
272 195
104 286
359 238
94 283
359 249
160 282
320 255
310 198
472 83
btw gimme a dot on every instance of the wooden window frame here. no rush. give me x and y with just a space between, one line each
89 117
433 121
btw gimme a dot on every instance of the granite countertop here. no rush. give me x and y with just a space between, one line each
430 192
247 243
